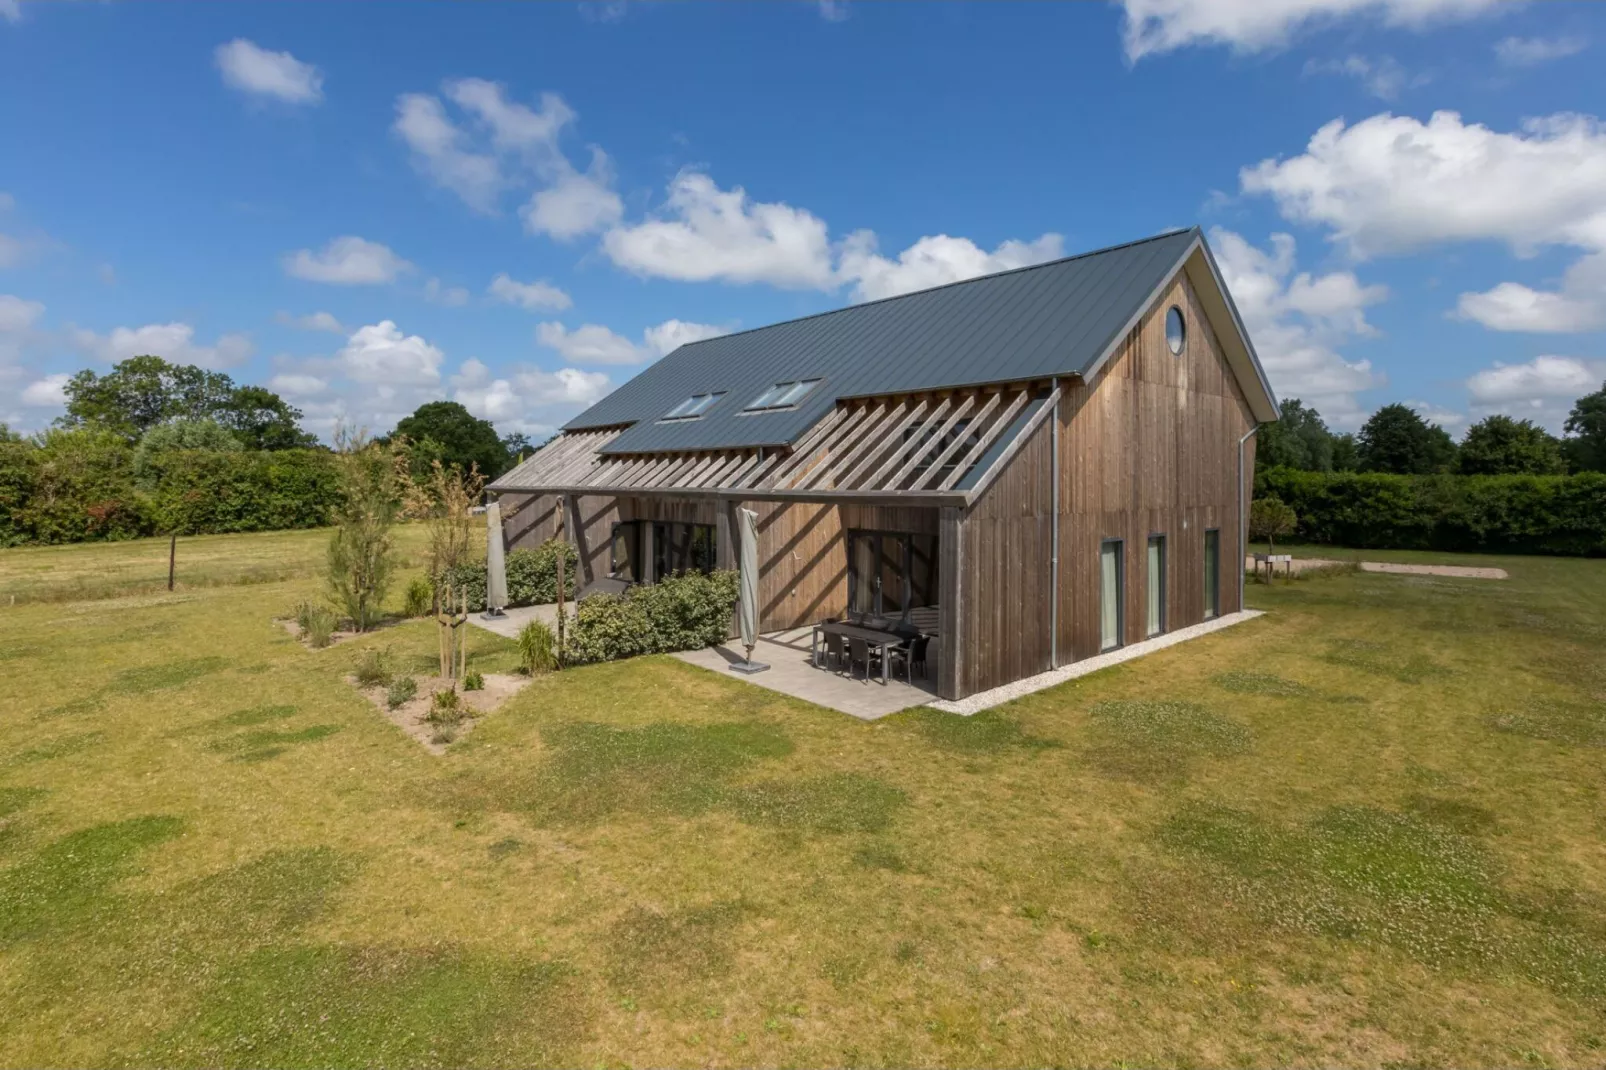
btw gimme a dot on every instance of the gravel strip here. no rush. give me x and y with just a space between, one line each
986 700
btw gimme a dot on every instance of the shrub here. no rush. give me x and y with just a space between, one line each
316 624
402 690
446 708
443 735
418 598
537 648
361 551
373 669
532 576
678 613
211 492
473 680
1489 514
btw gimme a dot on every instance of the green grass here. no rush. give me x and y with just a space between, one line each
1362 829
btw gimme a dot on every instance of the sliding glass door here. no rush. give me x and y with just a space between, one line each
891 573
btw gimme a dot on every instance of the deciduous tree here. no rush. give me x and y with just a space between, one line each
1501 446
1397 439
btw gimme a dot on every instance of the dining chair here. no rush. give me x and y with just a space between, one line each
917 654
835 652
858 653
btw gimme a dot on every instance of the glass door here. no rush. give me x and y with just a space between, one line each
1111 594
1212 573
1155 587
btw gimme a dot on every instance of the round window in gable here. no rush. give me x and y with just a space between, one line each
1175 330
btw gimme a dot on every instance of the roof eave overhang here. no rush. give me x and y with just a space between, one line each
953 498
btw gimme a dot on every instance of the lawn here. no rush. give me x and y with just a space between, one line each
1365 828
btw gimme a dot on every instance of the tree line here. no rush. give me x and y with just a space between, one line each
151 447
1397 440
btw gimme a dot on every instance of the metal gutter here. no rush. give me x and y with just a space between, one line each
1243 518
756 494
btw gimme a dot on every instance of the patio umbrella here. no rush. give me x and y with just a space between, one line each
747 605
495 565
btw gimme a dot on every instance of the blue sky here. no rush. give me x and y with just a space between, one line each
519 206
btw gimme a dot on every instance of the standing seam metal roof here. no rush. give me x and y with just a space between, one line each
1050 319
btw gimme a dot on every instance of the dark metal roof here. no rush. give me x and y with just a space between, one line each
1051 319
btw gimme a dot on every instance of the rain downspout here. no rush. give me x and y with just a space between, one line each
1054 533
1243 520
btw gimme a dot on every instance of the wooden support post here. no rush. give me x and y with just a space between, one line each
562 567
172 559
950 611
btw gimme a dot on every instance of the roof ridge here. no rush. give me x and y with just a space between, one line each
945 285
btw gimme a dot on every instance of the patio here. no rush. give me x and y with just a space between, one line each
791 673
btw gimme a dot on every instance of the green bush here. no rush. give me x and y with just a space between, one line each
402 690
446 708
681 612
74 486
197 492
532 576
1487 514
473 680
418 599
316 624
373 669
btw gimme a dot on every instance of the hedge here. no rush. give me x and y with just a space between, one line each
532 576
1469 514
205 491
682 612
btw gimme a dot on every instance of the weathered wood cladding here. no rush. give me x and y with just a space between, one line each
1149 446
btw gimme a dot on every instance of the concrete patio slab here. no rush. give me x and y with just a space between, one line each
791 673
513 620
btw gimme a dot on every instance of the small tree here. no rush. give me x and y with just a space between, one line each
361 551
443 499
1270 517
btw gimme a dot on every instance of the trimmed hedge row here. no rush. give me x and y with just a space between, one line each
532 576
682 612
1469 514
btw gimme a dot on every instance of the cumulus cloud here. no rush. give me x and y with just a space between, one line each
11 10
932 261
567 387
498 144
576 202
437 293
47 393
17 314
295 385
11 251
381 353
1448 419
1532 51
315 321
1393 184
532 400
595 344
174 342
250 68
1156 26
538 295
1542 389
347 261
1297 321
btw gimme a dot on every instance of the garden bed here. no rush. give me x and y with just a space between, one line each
412 716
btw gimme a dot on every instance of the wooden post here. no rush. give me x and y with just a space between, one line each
172 558
562 567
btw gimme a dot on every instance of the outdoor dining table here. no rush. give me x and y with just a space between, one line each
877 638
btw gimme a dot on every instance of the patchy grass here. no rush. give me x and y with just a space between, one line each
1362 829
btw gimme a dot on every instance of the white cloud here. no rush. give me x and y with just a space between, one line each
1383 77
707 233
451 296
1393 184
1532 51
595 344
576 203
1448 419
1546 377
833 10
296 385
485 397
531 295
380 353
1156 26
1543 389
316 321
174 342
501 144
1297 321
17 314
932 261
49 392
11 10
7 201
566 386
347 260
250 68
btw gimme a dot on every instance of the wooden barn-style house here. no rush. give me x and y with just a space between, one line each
1042 465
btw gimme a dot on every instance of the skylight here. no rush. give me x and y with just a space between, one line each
692 407
782 395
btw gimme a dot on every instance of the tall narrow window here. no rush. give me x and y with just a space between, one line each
1212 573
1155 588
1111 594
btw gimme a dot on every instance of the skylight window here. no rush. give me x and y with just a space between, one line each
783 395
692 407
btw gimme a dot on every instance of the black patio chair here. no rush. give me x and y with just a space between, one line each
859 654
835 652
917 654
